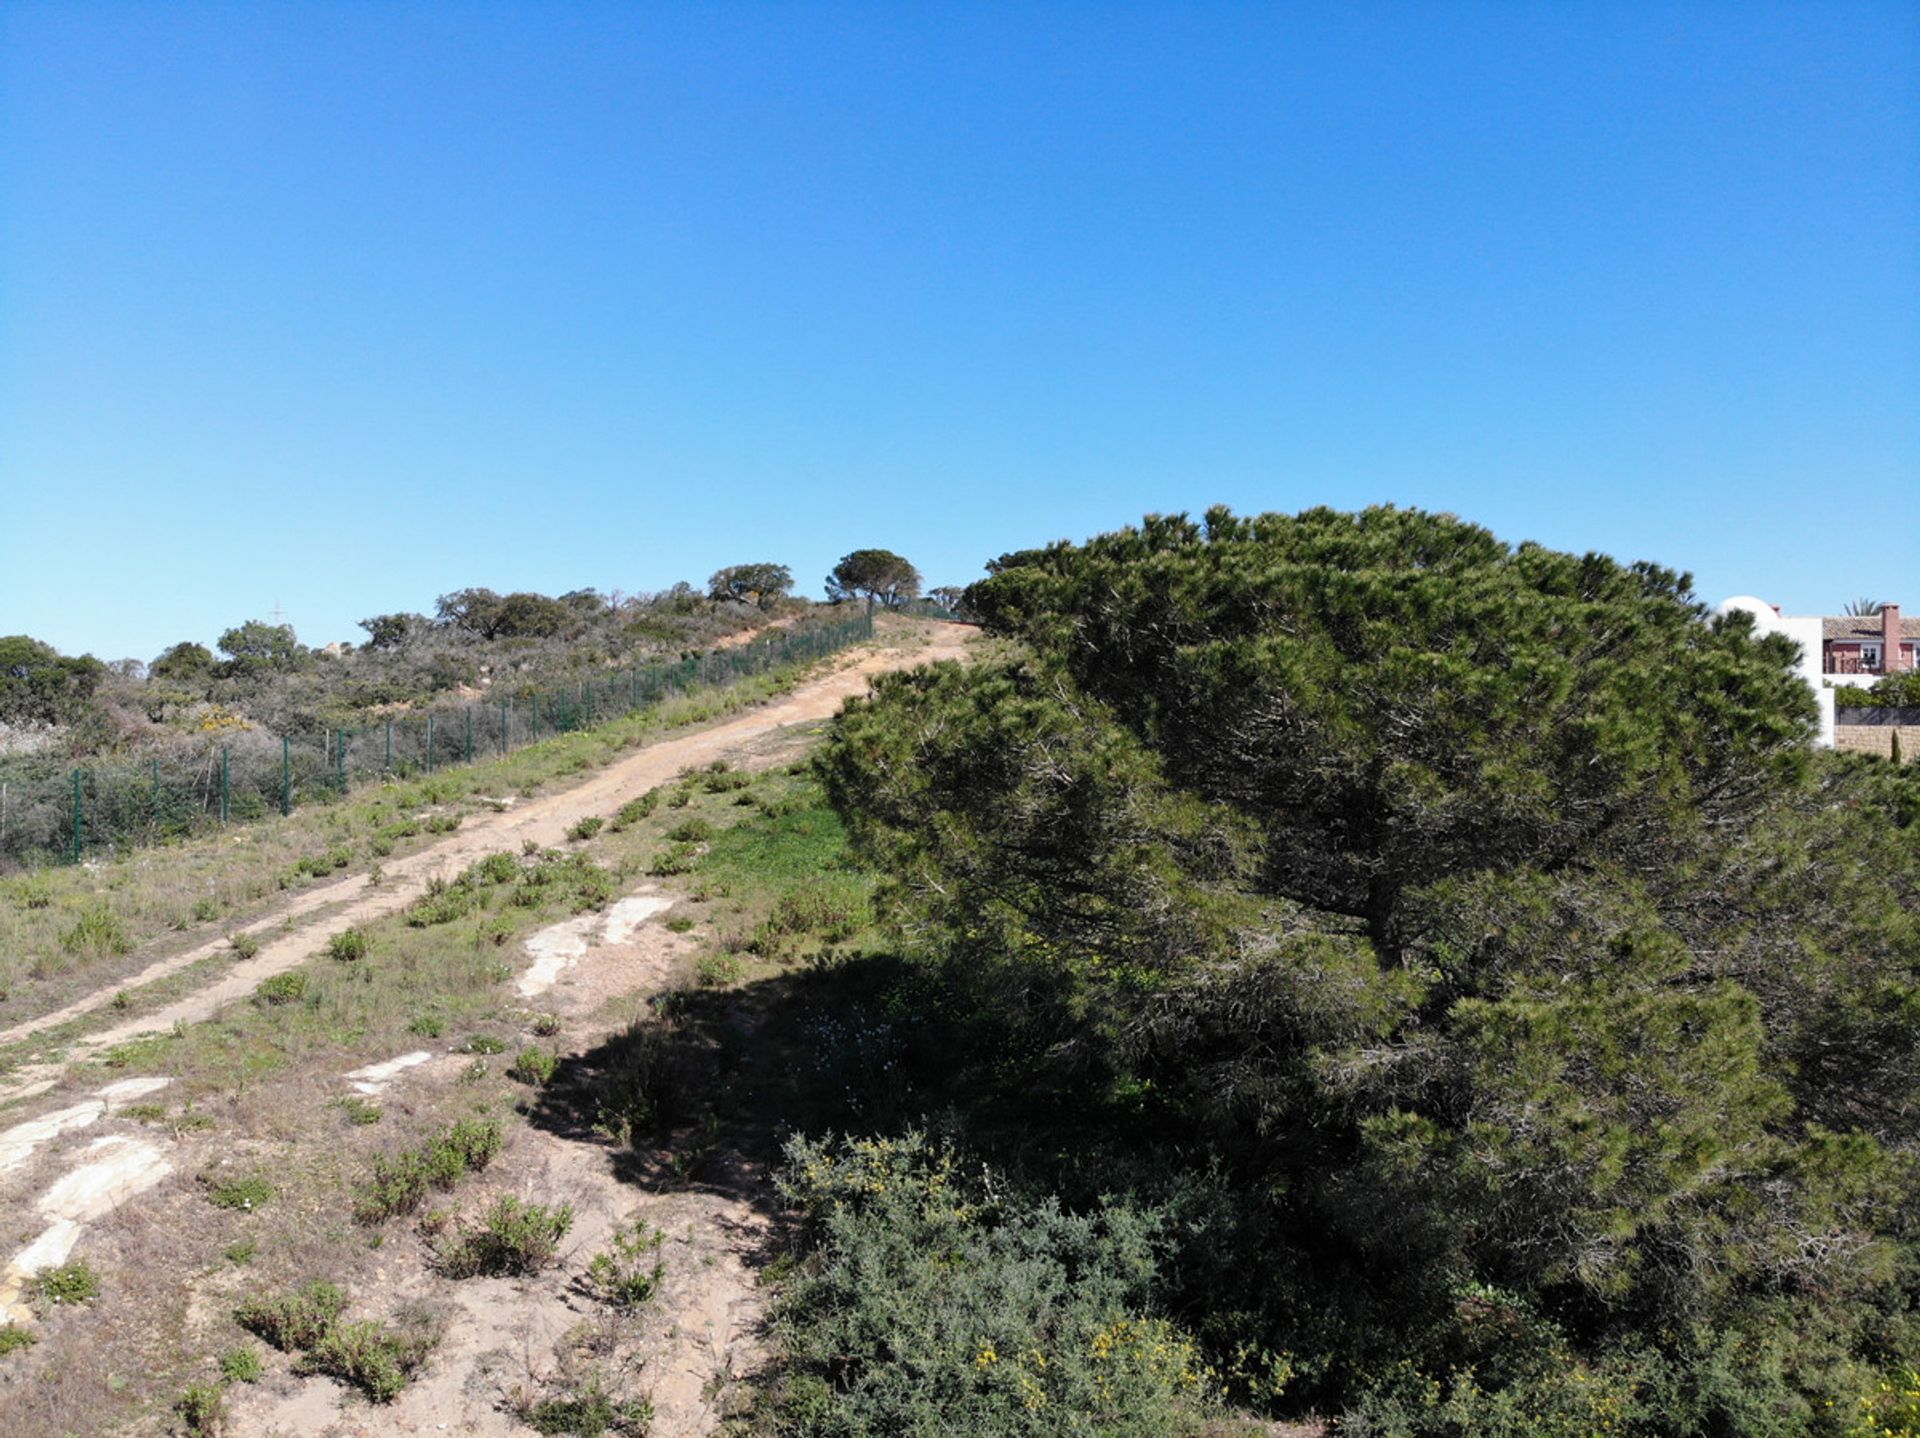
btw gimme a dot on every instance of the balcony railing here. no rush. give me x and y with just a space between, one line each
1851 664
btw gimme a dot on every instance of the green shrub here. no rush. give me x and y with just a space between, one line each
586 828
427 1026
73 1282
443 823
680 924
246 1193
932 1302
716 971
500 868
206 910
283 989
482 1044
244 944
359 1112
534 1066
546 1025
628 1273
585 1411
34 892
202 1409
242 1364
296 1321
241 1254
16 1336
634 810
514 1238
348 945
692 831
400 1181
678 859
376 1359
442 903
97 933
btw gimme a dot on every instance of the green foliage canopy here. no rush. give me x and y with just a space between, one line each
1481 907
39 685
879 574
762 584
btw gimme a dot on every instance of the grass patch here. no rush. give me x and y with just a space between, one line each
15 1337
244 1194
282 989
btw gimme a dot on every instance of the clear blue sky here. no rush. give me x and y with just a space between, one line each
346 305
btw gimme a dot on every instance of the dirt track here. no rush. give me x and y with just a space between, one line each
332 907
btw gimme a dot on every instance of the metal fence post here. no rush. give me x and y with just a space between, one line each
76 816
156 793
286 776
389 741
469 733
225 811
340 760
503 726
536 714
429 743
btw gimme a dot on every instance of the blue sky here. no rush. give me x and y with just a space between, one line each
343 306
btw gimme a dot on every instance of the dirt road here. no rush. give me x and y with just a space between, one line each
321 912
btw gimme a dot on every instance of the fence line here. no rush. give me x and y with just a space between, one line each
250 775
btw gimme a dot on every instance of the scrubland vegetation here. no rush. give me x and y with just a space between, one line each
1337 970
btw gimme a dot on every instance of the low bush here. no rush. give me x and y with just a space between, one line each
677 859
514 1238
936 1302
283 989
628 1273
14 1337
716 971
401 1181
482 1044
634 810
242 1364
73 1282
692 831
586 828
295 1321
244 944
97 933
348 945
202 1409
534 1066
373 1357
585 1410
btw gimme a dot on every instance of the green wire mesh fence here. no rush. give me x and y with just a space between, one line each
248 774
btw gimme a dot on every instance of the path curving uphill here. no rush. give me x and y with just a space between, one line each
319 913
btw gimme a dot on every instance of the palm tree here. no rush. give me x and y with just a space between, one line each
1864 608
